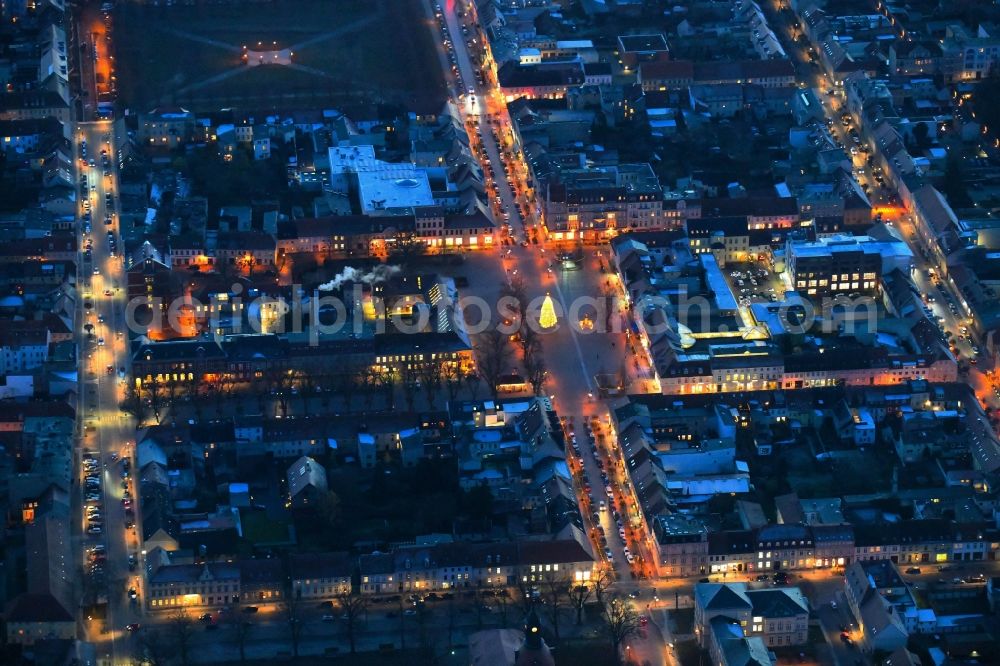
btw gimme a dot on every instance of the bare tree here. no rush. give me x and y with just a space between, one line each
472 381
241 629
407 251
578 597
402 624
340 386
171 387
409 383
516 291
620 622
367 382
493 354
602 580
293 616
555 596
430 380
307 389
529 340
154 396
279 382
181 631
387 385
153 648
500 597
535 372
526 594
248 262
451 376
423 636
352 608
451 622
133 403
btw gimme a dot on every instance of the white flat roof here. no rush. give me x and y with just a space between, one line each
396 188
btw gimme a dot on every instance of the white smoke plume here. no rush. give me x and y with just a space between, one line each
380 273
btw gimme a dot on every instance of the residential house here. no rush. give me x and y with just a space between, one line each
166 127
779 616
728 645
23 346
321 575
870 589
261 581
209 585
681 545
306 482
30 618
549 80
447 566
247 250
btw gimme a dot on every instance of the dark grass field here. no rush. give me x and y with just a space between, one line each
379 51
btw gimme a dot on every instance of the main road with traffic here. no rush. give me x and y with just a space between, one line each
107 496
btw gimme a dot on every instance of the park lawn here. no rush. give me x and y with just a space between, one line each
392 59
259 529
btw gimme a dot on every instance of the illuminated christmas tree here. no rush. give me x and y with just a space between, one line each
547 317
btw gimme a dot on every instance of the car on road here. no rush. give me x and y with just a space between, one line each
250 609
133 594
94 529
913 571
132 627
100 342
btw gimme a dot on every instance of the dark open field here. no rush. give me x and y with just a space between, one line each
346 52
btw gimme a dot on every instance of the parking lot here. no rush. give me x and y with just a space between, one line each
753 283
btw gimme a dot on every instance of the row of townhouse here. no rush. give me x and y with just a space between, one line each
324 576
252 250
243 358
456 566
248 582
685 547
676 74
376 235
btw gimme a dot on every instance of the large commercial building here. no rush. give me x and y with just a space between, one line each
599 203
704 335
844 264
